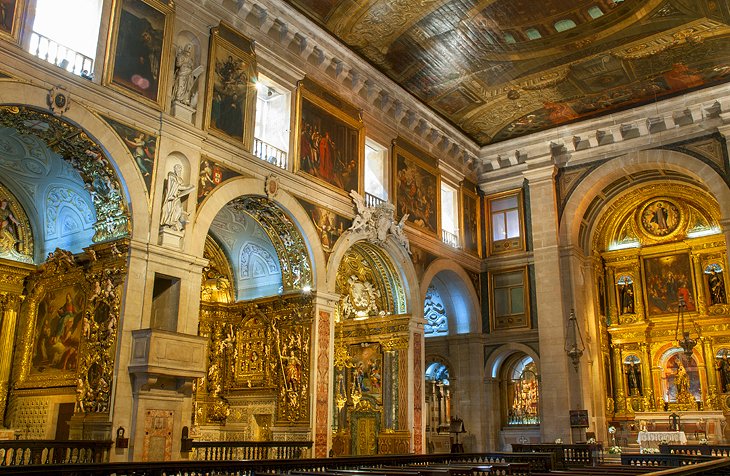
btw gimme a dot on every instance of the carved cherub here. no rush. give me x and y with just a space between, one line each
364 213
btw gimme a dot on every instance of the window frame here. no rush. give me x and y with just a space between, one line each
457 210
375 144
511 244
525 297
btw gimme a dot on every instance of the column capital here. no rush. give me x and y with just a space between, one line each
326 300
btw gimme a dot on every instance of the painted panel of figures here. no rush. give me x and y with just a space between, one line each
329 224
138 52
59 325
231 93
666 278
329 145
416 192
367 373
210 176
141 145
9 17
470 222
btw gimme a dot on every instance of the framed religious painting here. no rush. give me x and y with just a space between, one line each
11 13
665 279
471 221
53 325
330 142
417 187
230 101
367 372
138 49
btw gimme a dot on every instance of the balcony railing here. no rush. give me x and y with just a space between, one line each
250 450
450 239
62 56
372 200
270 154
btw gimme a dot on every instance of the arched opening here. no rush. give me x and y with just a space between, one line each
257 310
522 392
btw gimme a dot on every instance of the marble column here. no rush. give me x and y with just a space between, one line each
322 373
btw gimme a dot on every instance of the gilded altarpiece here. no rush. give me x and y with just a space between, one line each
66 343
371 397
663 247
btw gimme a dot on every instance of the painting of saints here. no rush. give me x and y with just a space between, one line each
667 278
229 95
139 48
142 147
58 333
368 362
471 223
7 15
329 147
660 218
416 194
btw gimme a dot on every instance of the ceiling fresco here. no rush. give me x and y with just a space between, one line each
499 69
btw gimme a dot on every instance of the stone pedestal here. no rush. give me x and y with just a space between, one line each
182 111
170 238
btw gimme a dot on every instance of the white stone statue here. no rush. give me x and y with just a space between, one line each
185 75
376 223
173 215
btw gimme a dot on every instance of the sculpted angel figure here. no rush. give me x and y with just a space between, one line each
364 213
397 230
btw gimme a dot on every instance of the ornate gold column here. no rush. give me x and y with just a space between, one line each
619 384
613 310
710 393
10 304
701 300
648 404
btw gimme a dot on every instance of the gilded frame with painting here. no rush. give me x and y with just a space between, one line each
416 187
230 100
11 13
330 139
138 49
665 278
471 222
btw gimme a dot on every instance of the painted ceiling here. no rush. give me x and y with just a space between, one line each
499 69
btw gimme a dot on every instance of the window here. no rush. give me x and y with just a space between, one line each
505 213
562 25
66 34
376 171
595 12
509 299
533 34
271 132
449 215
509 38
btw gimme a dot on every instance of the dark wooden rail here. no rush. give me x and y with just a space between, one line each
663 460
719 467
240 450
539 461
566 455
32 452
706 450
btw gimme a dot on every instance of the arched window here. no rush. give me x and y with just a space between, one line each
438 398
595 12
509 38
562 25
523 393
533 34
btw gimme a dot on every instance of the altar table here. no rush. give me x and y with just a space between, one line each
651 439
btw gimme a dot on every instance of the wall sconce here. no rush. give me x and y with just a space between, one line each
574 345
686 342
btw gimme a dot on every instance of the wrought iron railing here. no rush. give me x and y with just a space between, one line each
62 56
246 450
32 452
450 239
270 154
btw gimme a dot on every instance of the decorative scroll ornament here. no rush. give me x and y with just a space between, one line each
58 100
271 186
375 223
361 300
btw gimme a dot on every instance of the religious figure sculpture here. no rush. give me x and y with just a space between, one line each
627 298
633 378
723 365
185 75
173 215
685 399
377 222
716 284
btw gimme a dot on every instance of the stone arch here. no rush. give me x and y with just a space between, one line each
501 354
462 295
134 190
239 187
607 173
399 258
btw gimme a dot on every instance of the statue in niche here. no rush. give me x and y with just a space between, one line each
185 75
723 365
716 283
626 294
633 378
173 215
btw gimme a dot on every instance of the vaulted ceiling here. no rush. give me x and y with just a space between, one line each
499 69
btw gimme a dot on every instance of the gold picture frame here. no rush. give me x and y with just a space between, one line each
416 186
323 123
138 49
508 245
230 94
495 321
471 222
10 25
45 356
